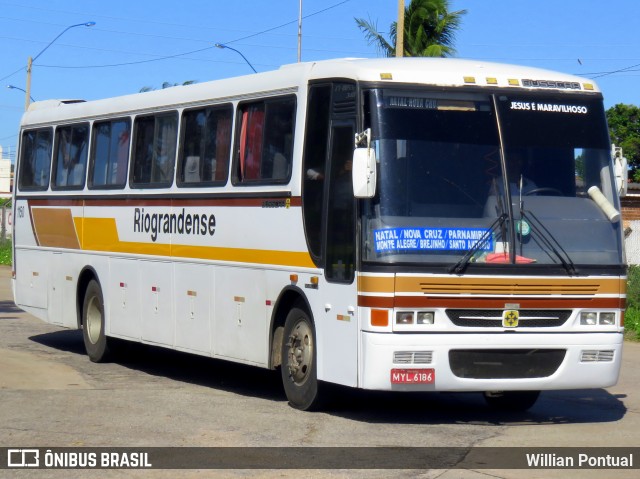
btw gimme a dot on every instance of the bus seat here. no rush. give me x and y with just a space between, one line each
192 169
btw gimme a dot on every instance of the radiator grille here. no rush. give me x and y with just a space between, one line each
412 357
505 363
492 318
594 356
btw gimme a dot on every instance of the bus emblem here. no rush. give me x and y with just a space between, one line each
510 318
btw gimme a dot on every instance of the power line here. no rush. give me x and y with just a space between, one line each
177 55
129 63
617 71
11 74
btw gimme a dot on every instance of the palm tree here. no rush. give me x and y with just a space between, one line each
166 84
429 30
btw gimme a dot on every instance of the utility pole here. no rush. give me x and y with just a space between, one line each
400 30
30 61
27 96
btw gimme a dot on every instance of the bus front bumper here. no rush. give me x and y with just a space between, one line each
489 362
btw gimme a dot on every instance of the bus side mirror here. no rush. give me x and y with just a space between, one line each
364 172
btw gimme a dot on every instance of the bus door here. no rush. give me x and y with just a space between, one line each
329 153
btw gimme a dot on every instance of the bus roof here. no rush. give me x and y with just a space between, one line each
440 72
448 72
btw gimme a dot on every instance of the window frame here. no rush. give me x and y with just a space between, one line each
181 158
32 187
54 154
92 154
133 153
236 179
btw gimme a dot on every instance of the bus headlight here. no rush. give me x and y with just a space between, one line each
425 317
404 317
607 319
414 320
595 318
588 318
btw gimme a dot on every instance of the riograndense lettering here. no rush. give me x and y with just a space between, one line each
182 223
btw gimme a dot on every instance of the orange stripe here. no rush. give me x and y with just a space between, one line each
100 234
54 227
492 286
376 284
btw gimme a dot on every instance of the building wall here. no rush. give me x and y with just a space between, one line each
631 218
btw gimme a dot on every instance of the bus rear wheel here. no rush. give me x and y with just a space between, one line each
96 342
299 358
511 400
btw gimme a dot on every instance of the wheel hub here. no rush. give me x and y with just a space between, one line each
300 355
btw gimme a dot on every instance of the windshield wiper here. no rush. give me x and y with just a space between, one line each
544 238
461 265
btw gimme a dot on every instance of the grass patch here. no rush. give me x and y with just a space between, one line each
632 315
5 252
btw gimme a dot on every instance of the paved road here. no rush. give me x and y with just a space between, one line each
51 395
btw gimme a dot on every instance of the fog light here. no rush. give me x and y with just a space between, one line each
608 319
425 317
588 318
404 317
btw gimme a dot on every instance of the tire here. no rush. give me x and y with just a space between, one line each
513 401
299 361
96 342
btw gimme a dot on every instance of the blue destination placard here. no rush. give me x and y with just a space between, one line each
429 239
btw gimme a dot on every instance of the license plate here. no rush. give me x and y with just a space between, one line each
413 376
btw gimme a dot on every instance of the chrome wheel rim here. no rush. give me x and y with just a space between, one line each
94 320
300 356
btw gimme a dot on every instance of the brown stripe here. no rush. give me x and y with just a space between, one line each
295 201
375 302
489 303
501 286
48 202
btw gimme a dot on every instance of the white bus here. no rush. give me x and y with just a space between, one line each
390 224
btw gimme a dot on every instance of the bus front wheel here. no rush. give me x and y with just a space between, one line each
93 327
298 368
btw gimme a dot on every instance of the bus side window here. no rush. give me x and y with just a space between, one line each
70 159
316 144
109 154
264 148
35 159
205 146
154 150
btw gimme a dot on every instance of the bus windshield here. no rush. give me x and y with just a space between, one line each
522 178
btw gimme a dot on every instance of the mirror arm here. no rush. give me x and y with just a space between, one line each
365 135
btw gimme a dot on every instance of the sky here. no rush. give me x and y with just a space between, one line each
144 43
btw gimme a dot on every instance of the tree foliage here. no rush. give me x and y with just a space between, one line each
429 30
166 84
624 130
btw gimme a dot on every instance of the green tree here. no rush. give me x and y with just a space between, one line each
429 30
166 84
624 130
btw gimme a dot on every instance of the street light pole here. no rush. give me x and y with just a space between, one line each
223 46
30 60
13 87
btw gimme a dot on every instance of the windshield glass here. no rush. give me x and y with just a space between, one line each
483 179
